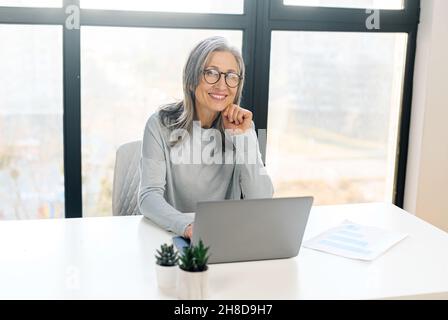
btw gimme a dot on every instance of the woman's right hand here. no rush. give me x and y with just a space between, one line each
189 231
236 118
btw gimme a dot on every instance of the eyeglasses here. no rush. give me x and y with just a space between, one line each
212 76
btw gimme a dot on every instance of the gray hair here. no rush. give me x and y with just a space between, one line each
180 115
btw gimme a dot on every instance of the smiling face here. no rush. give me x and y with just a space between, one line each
216 97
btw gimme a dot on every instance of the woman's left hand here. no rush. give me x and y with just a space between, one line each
236 118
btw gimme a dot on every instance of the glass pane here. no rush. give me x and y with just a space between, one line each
31 3
126 76
334 110
197 6
31 140
370 4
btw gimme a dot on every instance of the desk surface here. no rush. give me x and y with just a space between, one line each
113 258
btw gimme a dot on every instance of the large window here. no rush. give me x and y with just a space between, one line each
126 77
373 4
31 3
31 150
198 6
330 81
333 115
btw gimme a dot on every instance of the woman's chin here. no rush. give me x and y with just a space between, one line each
218 106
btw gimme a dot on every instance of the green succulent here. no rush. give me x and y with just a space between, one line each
166 256
194 258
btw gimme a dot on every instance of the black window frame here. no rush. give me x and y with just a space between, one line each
259 19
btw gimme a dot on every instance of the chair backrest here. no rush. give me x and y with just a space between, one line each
126 179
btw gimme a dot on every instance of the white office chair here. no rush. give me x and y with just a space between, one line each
126 179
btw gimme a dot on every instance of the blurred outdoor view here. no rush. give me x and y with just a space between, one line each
373 4
31 3
31 141
198 6
334 108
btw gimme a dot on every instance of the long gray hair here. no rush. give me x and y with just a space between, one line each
180 115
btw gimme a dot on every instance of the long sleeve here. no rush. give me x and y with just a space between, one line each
151 199
253 177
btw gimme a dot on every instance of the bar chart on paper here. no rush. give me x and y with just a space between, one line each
355 241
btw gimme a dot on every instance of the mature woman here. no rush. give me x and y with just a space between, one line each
174 172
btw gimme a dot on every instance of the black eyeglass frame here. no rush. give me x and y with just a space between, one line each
225 77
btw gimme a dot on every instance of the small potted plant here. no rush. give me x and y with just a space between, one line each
166 263
192 280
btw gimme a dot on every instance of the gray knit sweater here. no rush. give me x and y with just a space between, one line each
175 178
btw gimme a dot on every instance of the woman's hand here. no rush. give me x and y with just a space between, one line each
236 118
188 231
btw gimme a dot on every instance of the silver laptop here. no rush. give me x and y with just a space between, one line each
258 229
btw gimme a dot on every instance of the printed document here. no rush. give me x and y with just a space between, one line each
355 241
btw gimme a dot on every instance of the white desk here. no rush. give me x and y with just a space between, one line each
113 257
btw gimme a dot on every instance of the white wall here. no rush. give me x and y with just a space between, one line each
426 193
